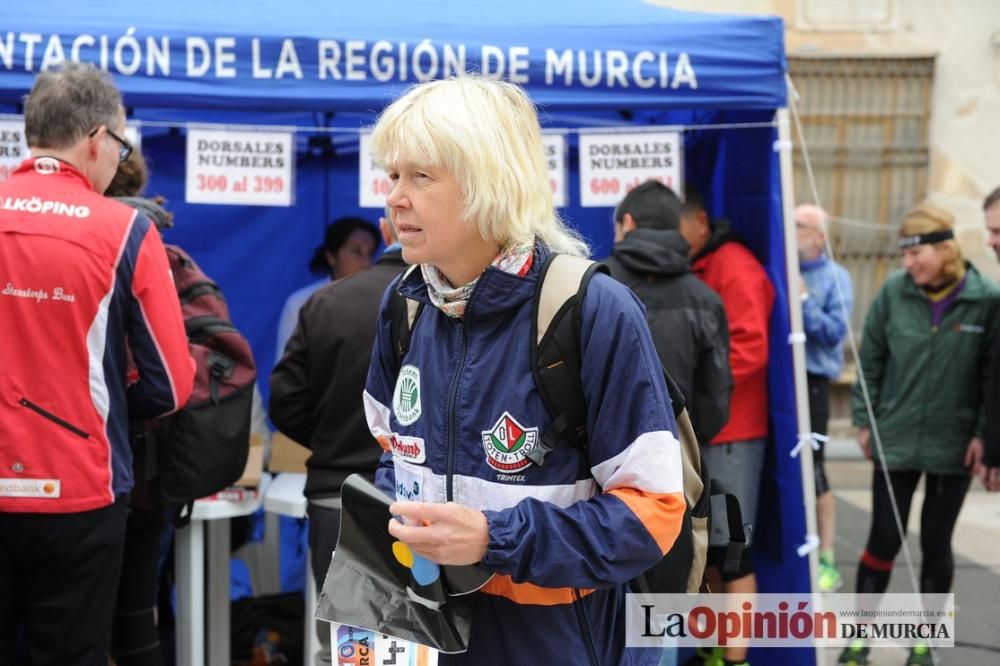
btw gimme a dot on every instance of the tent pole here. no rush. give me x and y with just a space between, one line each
784 147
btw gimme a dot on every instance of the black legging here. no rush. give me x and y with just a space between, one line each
819 418
944 494
135 639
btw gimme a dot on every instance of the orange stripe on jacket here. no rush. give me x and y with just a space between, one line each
660 513
385 441
528 594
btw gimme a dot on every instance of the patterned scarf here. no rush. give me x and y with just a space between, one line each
452 300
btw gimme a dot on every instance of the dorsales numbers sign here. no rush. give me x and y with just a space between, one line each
555 160
241 168
373 182
13 149
611 164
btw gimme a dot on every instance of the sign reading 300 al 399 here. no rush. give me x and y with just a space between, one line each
611 164
241 168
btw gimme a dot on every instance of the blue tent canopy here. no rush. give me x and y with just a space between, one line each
319 65
319 56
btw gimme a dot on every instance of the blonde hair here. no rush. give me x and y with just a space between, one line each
925 218
486 134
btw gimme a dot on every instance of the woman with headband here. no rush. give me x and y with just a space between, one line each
924 360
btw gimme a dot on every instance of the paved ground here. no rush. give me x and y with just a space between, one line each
977 550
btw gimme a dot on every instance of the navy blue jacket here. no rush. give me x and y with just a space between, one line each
456 422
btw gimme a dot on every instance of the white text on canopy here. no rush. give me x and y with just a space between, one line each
613 164
242 168
555 159
13 149
140 53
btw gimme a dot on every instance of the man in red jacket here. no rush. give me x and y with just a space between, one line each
736 455
84 282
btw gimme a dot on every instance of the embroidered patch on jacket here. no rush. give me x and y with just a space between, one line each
406 397
47 165
36 488
408 448
408 485
508 444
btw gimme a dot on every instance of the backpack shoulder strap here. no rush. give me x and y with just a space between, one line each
562 282
556 349
404 315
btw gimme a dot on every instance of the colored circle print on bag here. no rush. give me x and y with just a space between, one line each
424 571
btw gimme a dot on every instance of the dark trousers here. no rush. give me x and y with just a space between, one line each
135 639
819 417
943 498
58 577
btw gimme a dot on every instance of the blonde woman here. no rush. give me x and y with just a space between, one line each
925 356
472 206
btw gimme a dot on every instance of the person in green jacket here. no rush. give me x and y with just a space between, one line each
924 360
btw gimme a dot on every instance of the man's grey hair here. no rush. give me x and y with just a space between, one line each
66 103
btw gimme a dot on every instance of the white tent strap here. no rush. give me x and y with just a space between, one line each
879 452
813 439
811 544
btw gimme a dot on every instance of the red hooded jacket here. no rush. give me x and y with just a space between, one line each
732 271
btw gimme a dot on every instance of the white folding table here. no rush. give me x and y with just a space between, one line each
284 497
194 629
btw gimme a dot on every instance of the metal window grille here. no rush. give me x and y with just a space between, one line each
865 122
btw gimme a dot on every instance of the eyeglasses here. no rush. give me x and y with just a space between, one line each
124 150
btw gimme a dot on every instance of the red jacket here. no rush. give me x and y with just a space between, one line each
747 295
83 279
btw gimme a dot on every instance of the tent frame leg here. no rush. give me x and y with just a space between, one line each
784 148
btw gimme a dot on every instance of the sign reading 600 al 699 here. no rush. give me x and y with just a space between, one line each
508 444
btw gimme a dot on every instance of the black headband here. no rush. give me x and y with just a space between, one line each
925 239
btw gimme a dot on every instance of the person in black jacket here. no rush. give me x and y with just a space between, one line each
316 390
991 457
686 317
